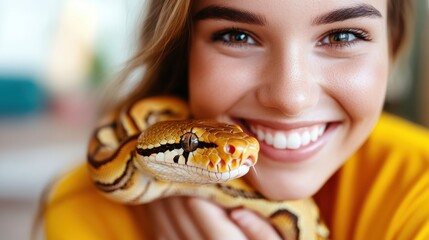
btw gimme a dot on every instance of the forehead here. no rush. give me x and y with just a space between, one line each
296 10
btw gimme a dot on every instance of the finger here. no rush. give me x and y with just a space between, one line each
253 226
145 221
212 220
163 226
182 220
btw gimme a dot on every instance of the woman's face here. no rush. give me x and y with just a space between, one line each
307 78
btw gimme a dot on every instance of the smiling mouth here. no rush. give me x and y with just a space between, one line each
290 139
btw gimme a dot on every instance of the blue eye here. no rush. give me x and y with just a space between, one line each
344 37
234 37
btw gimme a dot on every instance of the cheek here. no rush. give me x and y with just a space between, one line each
205 84
360 87
216 82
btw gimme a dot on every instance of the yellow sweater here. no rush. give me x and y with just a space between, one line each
382 192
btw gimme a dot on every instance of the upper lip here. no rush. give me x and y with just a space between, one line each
279 125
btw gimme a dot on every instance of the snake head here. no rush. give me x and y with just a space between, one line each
198 151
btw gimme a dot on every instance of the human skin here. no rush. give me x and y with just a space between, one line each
286 73
281 71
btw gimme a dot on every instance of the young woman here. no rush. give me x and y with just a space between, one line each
308 79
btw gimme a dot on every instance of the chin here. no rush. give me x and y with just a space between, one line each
291 192
290 186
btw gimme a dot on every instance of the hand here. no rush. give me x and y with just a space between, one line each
194 218
253 226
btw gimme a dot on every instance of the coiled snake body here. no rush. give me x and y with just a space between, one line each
137 156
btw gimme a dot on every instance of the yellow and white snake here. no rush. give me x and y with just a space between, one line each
151 150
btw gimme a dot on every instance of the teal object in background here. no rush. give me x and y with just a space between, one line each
20 95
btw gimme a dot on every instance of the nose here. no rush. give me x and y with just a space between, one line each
288 84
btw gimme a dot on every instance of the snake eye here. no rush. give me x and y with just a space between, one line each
230 149
189 142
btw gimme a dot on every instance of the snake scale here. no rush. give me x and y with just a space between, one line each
151 150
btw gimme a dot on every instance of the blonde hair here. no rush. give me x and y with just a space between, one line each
162 52
164 45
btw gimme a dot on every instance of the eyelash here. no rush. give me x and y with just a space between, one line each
358 34
220 37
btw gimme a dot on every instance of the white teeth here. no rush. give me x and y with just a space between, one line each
314 134
269 139
253 129
289 140
305 138
322 130
280 141
261 135
294 141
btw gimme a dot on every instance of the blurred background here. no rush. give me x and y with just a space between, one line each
55 54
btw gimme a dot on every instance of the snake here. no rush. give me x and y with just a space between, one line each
153 149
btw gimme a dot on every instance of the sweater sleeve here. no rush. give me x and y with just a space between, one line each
382 192
74 210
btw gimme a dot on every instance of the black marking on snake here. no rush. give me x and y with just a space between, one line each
121 181
121 132
188 142
207 145
157 114
239 193
99 163
162 148
170 147
99 128
129 116
150 114
186 156
290 216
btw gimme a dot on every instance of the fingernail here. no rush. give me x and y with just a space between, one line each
242 216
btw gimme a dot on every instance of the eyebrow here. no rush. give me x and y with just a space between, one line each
342 14
227 13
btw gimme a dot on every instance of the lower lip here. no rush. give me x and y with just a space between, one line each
295 155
